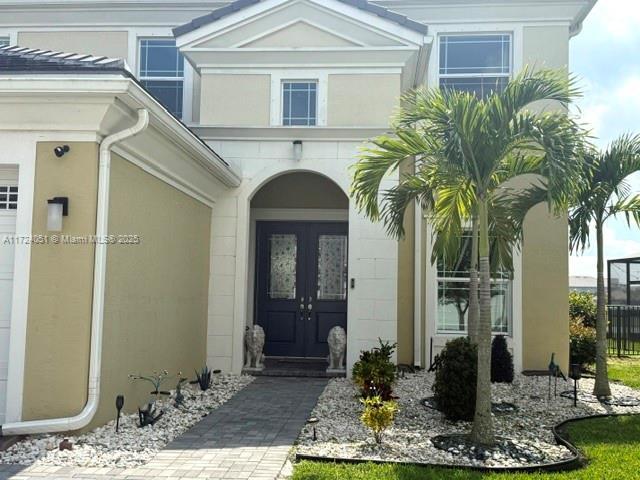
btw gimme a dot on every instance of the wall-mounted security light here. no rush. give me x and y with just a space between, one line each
297 150
57 208
60 150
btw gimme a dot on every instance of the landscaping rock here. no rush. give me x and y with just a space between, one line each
132 446
526 433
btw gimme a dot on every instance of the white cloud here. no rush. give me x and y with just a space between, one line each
608 113
614 247
617 18
583 266
606 55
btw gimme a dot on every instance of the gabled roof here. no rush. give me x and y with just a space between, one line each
15 59
241 4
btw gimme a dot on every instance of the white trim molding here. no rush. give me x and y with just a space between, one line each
516 30
278 77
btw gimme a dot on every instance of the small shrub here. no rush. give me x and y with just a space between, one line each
582 305
378 415
374 372
454 388
582 343
501 361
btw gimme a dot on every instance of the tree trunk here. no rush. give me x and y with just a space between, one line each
461 314
474 307
482 432
601 388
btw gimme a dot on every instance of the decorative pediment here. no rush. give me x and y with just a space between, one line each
322 32
300 34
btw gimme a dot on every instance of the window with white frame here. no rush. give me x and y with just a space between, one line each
162 72
453 295
4 41
8 197
478 64
299 103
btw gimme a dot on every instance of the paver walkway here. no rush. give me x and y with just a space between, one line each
249 437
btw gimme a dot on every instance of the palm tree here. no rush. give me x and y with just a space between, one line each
463 151
605 193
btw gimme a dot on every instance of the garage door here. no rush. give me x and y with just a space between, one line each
8 205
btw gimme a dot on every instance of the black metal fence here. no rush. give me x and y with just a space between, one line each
623 332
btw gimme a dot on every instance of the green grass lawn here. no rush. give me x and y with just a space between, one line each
612 446
625 370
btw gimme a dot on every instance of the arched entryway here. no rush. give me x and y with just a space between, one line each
299 247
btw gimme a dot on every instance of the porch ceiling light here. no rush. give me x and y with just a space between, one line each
57 208
297 150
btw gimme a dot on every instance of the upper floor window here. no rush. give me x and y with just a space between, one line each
162 72
478 64
4 41
299 103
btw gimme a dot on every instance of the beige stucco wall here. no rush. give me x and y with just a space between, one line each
156 292
546 47
545 253
545 290
300 190
110 44
362 100
156 301
239 100
406 284
59 311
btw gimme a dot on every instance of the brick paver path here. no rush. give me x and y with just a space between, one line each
249 437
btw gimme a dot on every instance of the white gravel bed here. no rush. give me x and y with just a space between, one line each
340 434
132 446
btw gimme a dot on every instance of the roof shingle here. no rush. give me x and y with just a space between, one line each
240 4
15 59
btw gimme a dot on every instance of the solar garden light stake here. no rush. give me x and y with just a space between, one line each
575 375
313 421
119 405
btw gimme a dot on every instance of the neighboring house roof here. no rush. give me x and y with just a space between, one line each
241 4
583 282
15 59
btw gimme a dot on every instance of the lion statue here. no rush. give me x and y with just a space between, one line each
337 341
253 345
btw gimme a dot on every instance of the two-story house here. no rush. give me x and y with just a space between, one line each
245 217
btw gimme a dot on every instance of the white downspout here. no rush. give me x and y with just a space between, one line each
83 418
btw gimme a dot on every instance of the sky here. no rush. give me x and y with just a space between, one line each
606 59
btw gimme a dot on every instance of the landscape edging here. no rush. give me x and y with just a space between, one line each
578 460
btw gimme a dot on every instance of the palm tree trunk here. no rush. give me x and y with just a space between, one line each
601 388
474 307
482 432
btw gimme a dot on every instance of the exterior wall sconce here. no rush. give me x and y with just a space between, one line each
60 150
297 150
57 208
